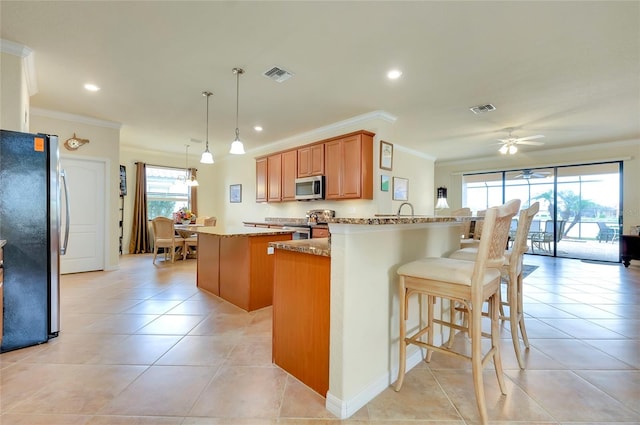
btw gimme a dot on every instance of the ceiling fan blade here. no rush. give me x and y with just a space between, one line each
526 142
537 136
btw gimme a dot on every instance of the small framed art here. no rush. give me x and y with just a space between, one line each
384 183
386 155
235 193
400 189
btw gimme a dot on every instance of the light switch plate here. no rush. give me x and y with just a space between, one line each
270 250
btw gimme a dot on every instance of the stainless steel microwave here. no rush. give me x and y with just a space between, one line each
308 188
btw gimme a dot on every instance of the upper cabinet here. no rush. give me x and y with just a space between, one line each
345 161
311 161
276 177
289 173
274 173
349 167
261 180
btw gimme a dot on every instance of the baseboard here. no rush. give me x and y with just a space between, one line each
346 408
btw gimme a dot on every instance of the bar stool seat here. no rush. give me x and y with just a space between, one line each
511 275
468 283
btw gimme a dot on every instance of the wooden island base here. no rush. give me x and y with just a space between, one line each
237 267
301 303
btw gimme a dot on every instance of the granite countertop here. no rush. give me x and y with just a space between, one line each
316 246
238 231
393 219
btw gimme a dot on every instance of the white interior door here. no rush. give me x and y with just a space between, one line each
86 183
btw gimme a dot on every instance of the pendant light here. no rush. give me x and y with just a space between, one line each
442 198
189 179
237 148
207 157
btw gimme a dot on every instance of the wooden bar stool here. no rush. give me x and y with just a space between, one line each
465 282
512 276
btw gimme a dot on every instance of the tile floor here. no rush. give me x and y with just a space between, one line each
142 346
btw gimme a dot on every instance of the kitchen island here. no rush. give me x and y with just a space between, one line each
234 264
364 254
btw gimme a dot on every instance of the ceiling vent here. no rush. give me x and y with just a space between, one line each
277 74
481 109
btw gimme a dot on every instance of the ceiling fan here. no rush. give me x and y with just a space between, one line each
530 174
509 144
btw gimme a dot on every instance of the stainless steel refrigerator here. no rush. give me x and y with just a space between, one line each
30 194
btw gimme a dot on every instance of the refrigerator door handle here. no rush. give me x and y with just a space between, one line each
63 249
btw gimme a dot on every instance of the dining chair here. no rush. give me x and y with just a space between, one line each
466 226
469 283
512 277
191 242
164 236
473 238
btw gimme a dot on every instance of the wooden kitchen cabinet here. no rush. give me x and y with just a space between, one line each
261 180
279 172
289 174
349 167
274 179
319 232
238 267
301 307
311 161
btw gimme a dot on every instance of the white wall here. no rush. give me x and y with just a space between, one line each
104 142
14 104
215 179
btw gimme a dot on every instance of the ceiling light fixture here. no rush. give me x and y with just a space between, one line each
91 87
394 74
508 149
207 157
237 148
189 179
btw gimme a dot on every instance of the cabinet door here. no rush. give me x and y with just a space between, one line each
311 161
352 167
261 180
333 169
289 173
274 172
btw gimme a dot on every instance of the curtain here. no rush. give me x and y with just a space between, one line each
139 230
194 194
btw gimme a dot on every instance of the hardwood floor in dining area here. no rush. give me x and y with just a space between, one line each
142 345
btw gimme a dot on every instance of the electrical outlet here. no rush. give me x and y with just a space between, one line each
270 250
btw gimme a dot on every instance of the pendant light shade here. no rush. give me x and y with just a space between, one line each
237 148
442 198
207 157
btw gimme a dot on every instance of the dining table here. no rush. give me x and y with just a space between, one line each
186 230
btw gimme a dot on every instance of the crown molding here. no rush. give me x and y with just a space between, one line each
46 113
334 128
28 62
414 152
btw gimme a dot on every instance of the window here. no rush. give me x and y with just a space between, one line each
166 191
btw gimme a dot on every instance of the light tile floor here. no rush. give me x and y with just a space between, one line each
143 346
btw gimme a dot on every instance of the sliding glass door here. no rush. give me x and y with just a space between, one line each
580 206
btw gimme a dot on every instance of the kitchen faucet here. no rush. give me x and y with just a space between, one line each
402 205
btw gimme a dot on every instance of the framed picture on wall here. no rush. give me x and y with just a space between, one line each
235 193
384 183
400 189
386 155
123 180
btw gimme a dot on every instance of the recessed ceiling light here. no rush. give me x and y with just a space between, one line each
394 74
257 128
91 87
